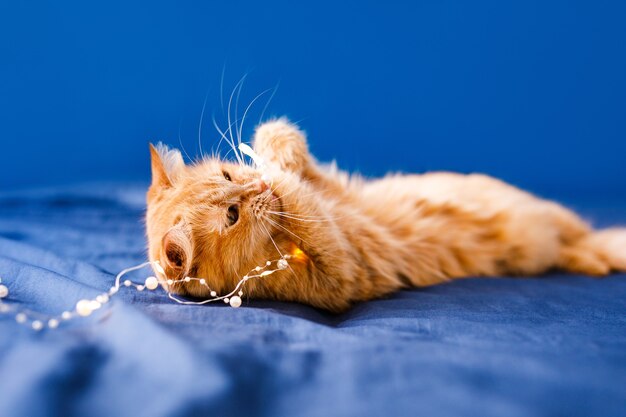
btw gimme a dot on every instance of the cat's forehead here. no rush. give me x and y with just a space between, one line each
212 167
206 184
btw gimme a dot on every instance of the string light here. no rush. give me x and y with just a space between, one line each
86 307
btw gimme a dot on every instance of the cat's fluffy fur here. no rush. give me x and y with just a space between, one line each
359 239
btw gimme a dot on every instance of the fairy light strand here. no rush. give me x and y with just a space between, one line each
86 307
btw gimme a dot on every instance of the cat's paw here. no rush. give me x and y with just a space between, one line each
282 143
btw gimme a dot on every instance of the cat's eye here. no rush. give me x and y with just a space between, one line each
232 214
226 175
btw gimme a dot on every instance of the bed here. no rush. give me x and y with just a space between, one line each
545 346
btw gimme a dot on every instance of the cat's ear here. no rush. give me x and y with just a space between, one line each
177 252
167 165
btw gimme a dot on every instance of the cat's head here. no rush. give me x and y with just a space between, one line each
208 219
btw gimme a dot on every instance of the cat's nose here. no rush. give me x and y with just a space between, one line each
261 186
257 187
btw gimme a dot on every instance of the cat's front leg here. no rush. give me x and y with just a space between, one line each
283 145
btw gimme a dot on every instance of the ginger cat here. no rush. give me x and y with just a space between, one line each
353 239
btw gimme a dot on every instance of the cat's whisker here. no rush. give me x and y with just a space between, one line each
271 238
309 220
222 87
276 246
315 192
230 101
282 195
277 224
274 187
180 141
219 130
237 131
243 119
268 102
319 223
307 217
224 136
200 124
302 216
304 183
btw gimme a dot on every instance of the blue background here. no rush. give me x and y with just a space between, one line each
531 91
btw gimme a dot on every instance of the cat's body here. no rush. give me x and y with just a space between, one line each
354 239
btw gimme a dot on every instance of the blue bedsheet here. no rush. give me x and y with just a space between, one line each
548 346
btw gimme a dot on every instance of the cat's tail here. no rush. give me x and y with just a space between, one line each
596 253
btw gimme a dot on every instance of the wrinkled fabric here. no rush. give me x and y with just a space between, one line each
544 346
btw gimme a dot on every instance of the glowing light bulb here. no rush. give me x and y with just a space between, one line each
298 254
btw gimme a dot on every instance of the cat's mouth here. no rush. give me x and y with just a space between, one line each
266 204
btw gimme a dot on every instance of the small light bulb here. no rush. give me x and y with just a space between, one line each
102 298
152 283
235 301
282 264
83 308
